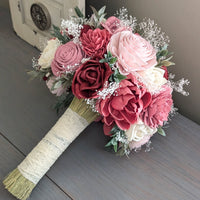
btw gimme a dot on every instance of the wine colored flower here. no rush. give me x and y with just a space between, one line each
133 52
85 29
89 78
158 110
166 74
94 42
125 107
113 25
67 58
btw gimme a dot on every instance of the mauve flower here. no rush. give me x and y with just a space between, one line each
58 91
89 78
113 25
94 42
125 107
67 58
133 52
158 110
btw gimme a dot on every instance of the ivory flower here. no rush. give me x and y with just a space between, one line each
48 53
138 131
153 78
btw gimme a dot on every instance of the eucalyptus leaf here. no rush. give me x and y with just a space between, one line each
101 11
115 147
78 12
57 85
161 131
94 11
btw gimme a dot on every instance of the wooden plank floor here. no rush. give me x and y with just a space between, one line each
170 171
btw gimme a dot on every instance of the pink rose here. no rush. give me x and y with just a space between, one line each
124 108
67 58
158 110
113 25
133 52
58 91
94 42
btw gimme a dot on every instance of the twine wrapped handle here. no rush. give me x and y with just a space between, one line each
21 181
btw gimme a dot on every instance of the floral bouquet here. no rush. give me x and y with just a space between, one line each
113 70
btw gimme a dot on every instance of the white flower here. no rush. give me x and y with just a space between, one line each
153 78
48 53
138 131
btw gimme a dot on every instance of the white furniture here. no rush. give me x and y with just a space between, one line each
33 19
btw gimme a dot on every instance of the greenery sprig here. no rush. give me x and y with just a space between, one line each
116 76
63 38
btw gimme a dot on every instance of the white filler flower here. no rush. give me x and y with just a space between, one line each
48 53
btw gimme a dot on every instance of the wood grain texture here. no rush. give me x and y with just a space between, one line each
9 159
171 171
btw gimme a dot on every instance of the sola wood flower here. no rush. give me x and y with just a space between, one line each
67 57
124 108
90 78
133 52
94 42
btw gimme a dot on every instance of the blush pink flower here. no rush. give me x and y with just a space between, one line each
136 145
113 25
94 42
158 110
67 58
125 107
133 52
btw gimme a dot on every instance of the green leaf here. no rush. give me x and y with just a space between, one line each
33 74
94 11
57 33
161 131
115 147
63 101
78 12
167 63
57 85
101 11
102 60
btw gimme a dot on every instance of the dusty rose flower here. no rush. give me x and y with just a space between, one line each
67 58
158 110
133 52
124 108
113 25
94 42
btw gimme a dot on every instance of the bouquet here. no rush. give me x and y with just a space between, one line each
113 70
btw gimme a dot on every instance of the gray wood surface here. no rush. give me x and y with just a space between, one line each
170 171
10 157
